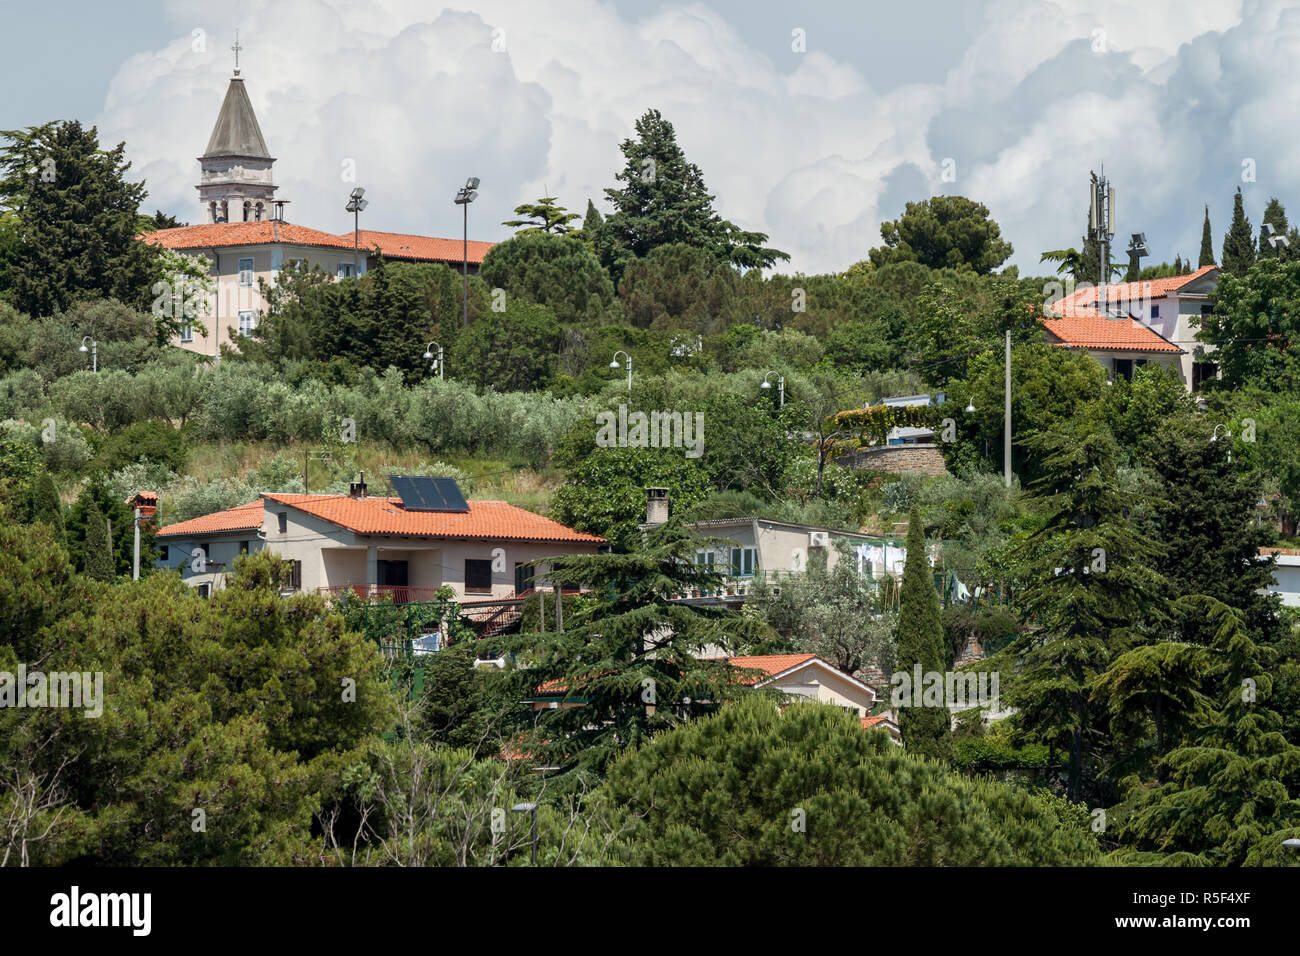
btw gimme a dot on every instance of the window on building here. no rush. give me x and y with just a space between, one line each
1207 310
346 270
293 577
1123 369
243 547
163 553
392 574
478 576
247 323
246 272
187 332
742 562
524 574
1155 311
205 590
1203 372
705 558
283 518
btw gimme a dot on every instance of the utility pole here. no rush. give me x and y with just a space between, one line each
1006 438
135 571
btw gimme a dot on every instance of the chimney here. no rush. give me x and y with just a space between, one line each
357 489
656 506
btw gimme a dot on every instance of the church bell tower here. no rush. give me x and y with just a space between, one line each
236 183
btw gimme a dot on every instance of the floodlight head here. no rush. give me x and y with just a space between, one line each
362 204
358 193
523 808
1269 229
471 195
471 183
1139 238
428 355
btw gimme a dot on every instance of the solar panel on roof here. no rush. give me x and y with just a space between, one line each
419 493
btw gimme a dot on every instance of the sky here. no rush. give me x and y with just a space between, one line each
813 123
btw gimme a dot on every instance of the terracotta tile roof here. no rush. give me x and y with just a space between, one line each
244 518
1123 292
400 245
493 520
869 722
243 234
1088 329
769 664
395 245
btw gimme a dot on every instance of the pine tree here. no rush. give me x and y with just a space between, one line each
99 548
1275 215
1207 242
663 200
542 216
634 662
1231 796
926 729
1087 580
76 218
1239 241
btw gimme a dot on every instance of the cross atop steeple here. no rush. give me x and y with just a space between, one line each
236 48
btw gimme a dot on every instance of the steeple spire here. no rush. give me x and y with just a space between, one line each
236 183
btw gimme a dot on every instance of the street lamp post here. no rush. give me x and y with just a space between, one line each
1214 436
93 350
428 354
464 196
614 364
780 384
529 808
355 205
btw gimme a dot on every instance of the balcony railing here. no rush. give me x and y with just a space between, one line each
381 593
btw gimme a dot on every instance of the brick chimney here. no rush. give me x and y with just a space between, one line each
656 506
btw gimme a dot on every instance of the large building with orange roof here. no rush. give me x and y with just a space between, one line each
370 545
1153 320
244 233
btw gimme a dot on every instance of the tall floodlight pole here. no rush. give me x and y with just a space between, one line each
464 196
355 205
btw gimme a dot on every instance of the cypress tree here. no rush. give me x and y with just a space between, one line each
43 505
99 547
1178 265
926 729
1207 242
1239 241
1275 215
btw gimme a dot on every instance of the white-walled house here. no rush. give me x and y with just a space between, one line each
809 677
1286 574
374 545
1149 321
